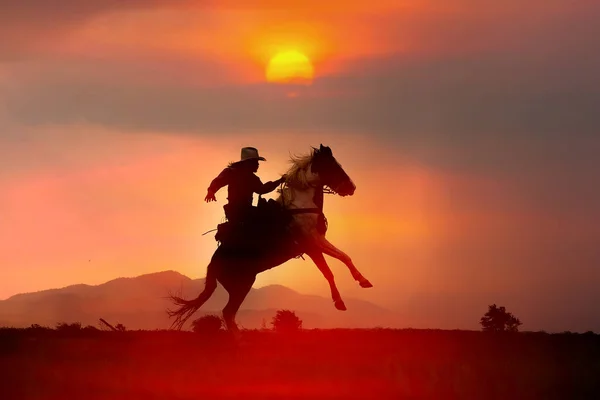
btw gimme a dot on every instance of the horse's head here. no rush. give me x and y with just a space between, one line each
330 172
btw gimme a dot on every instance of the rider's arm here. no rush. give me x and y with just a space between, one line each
264 188
220 181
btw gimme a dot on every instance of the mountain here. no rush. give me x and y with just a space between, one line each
141 303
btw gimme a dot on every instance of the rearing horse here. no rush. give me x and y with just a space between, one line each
302 197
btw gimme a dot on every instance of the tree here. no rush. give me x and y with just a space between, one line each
120 327
207 324
286 321
497 319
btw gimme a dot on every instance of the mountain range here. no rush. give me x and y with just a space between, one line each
141 303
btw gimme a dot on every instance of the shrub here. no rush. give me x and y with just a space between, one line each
286 321
207 324
38 327
68 328
91 328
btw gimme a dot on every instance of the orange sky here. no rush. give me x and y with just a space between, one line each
473 170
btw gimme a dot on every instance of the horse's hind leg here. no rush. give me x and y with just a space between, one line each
238 288
319 260
333 251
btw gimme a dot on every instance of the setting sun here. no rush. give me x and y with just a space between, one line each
290 67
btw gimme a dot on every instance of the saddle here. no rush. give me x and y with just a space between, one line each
262 228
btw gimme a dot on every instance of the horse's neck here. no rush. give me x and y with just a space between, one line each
318 197
304 192
302 198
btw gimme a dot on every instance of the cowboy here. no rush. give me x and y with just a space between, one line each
242 184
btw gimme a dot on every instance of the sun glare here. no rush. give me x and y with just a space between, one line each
290 67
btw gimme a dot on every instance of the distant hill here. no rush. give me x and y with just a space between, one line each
141 303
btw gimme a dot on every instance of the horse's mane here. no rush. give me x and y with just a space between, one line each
297 173
297 176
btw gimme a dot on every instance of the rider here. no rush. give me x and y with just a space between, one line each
242 184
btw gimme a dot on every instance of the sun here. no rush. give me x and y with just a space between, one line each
291 67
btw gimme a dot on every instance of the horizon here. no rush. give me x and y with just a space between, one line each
127 277
394 321
473 146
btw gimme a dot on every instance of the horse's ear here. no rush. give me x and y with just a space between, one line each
325 150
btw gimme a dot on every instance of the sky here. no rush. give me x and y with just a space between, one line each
470 129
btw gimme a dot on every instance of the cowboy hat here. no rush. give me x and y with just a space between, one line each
250 153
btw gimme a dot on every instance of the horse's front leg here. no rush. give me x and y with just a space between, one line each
329 249
319 260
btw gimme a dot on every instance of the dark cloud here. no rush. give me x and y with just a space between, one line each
485 70
26 23
58 11
471 97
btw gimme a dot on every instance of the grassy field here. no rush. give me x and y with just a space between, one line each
365 364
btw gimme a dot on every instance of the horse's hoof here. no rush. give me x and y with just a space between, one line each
365 284
339 304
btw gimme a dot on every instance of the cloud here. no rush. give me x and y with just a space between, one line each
470 97
465 92
457 69
31 23
31 20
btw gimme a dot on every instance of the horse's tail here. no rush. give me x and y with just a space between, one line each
187 308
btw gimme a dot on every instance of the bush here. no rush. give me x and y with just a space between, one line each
286 321
39 328
207 324
91 328
68 328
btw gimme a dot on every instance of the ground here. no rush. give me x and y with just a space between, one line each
373 364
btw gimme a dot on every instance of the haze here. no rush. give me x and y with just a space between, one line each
471 131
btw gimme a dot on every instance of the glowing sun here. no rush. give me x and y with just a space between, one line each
290 67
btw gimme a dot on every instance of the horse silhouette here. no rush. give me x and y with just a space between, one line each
301 200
